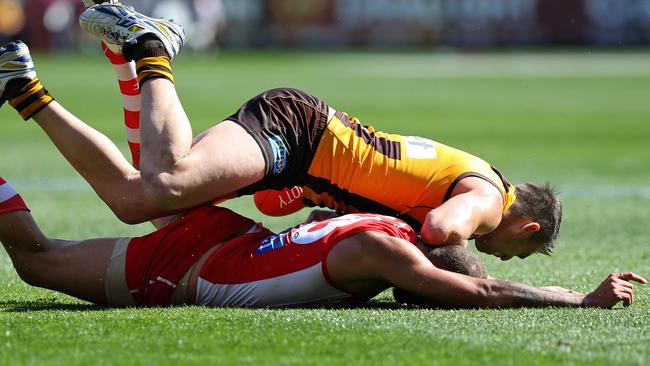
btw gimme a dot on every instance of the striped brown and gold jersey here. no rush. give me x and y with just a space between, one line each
356 168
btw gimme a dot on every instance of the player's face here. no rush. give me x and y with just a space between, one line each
506 241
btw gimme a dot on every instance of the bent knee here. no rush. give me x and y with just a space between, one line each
128 207
126 214
162 190
29 268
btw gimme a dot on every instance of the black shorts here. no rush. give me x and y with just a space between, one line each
287 124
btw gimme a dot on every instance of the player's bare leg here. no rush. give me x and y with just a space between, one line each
92 154
76 268
100 163
177 172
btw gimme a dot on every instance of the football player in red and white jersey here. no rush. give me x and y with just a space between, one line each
214 257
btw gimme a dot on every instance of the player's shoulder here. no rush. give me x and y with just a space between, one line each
365 248
379 242
477 185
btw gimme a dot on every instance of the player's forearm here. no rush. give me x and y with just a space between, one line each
506 294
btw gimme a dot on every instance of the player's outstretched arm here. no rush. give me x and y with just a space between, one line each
614 289
404 266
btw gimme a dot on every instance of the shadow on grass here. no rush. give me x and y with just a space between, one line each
53 304
15 306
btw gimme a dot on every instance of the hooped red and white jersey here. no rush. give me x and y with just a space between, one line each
10 200
285 269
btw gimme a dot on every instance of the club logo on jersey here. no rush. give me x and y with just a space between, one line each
280 154
272 242
420 148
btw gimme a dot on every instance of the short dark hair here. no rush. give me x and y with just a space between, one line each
541 204
454 258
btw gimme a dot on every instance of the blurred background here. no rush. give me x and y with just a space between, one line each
52 24
546 90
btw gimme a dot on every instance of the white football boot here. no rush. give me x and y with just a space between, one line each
15 63
90 3
118 26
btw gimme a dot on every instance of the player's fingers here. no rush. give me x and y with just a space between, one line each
622 296
627 297
631 296
629 276
626 293
623 283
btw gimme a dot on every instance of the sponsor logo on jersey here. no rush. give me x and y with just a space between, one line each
420 148
290 195
280 153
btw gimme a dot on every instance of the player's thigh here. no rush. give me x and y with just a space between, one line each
229 155
77 268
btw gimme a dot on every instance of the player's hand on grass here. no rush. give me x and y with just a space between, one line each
615 288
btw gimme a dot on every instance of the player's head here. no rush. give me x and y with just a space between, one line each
530 226
454 258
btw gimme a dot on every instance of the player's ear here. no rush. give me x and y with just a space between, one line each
531 227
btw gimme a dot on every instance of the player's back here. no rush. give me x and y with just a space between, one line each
356 168
261 269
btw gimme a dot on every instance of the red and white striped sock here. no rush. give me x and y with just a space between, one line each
128 80
10 200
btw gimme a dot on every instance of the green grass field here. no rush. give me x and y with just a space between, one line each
579 120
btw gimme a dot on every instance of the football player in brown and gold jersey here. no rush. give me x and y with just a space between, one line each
280 138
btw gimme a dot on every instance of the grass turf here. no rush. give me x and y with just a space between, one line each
578 120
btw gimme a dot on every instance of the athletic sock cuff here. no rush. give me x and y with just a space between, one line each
10 200
146 46
30 99
150 68
115 58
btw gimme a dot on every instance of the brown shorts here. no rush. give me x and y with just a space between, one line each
287 124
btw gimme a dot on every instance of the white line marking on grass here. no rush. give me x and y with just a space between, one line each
495 65
52 184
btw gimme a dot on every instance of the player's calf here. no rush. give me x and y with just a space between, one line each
18 233
18 82
75 268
